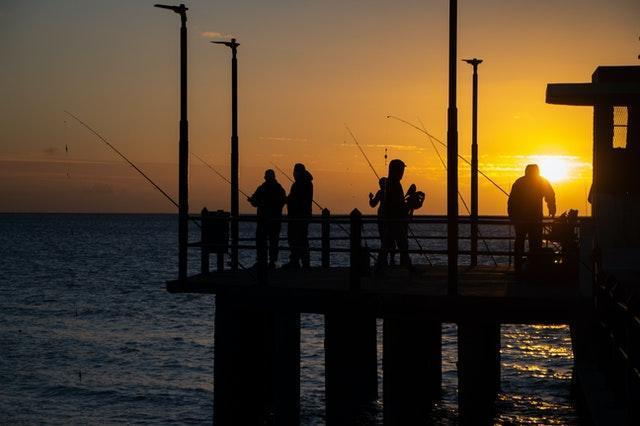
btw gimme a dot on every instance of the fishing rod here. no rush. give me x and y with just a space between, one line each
444 144
103 139
374 172
362 151
223 177
167 196
464 203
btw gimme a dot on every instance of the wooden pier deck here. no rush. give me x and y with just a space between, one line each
489 293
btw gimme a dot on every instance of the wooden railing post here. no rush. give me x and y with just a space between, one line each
326 238
355 248
261 249
204 248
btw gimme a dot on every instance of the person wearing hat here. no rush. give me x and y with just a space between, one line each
299 212
396 214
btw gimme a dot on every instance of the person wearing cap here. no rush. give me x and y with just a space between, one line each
299 212
269 199
525 210
396 214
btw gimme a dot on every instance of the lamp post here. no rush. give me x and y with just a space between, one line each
234 151
183 146
452 157
474 163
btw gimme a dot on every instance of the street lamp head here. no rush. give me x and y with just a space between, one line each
177 9
475 61
232 44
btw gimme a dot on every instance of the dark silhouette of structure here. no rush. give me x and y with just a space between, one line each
474 163
299 203
525 210
452 152
269 199
396 215
183 156
235 209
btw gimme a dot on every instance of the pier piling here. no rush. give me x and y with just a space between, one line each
478 371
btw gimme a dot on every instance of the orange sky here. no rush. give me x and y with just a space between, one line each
306 69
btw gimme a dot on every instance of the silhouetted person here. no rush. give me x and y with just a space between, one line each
396 215
299 212
269 199
525 210
378 200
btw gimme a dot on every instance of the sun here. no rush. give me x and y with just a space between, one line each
554 168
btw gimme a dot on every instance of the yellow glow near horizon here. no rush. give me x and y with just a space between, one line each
555 168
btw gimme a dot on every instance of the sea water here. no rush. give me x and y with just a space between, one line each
89 334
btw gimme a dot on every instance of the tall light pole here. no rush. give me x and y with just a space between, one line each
474 163
183 147
234 151
452 156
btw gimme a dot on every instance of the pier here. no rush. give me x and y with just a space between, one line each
257 321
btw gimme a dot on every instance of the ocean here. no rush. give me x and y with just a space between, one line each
89 334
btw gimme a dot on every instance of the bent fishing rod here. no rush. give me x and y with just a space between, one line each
444 144
377 176
162 191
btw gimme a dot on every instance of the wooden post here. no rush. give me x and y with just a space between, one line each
355 249
285 347
412 368
242 373
351 377
204 248
478 371
326 238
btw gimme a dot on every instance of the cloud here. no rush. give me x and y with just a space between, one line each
101 189
211 34
52 150
283 139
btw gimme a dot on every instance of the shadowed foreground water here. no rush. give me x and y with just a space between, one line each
89 334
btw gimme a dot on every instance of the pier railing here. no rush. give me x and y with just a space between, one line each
356 236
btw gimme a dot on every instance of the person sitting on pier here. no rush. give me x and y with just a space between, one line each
299 212
525 210
378 200
269 199
396 214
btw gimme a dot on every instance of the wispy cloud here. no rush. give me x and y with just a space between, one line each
284 139
51 151
215 35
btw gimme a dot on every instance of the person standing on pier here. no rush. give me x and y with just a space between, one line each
269 199
299 212
378 200
396 215
525 210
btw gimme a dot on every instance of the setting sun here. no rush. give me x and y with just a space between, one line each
554 168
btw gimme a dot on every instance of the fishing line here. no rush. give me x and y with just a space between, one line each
223 177
362 151
464 203
167 196
444 144
374 172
